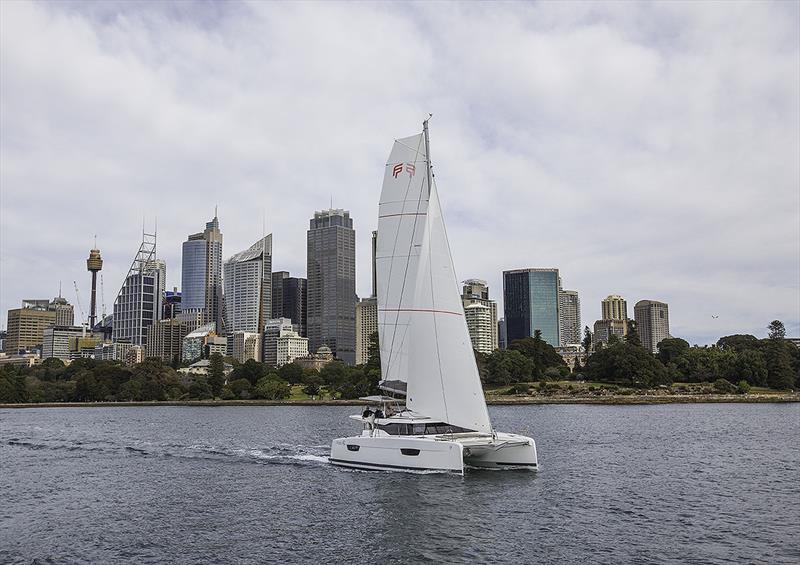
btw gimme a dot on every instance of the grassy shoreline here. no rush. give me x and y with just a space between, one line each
492 400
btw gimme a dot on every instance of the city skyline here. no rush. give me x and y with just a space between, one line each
699 234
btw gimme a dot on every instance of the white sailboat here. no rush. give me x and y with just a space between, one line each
442 422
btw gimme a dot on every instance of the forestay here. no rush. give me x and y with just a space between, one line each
423 334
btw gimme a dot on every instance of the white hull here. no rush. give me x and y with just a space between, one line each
448 453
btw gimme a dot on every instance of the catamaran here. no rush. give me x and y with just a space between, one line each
433 414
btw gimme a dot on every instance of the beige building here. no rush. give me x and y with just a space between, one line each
289 346
604 329
366 325
569 317
480 326
244 346
25 327
615 308
318 360
652 323
484 337
165 338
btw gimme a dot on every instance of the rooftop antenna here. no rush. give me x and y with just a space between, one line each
263 223
59 289
331 201
215 210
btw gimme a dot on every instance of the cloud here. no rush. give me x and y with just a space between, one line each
650 151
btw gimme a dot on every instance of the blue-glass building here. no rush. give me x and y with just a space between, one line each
530 298
201 275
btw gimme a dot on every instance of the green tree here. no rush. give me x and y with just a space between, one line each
374 353
749 365
632 336
738 342
313 385
722 386
540 353
587 341
12 388
628 364
507 366
291 373
216 374
776 330
671 348
780 375
241 388
251 370
272 387
199 389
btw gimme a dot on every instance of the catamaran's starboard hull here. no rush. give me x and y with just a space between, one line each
413 453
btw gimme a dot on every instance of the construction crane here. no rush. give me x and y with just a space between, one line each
80 306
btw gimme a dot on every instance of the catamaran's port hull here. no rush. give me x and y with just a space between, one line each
429 453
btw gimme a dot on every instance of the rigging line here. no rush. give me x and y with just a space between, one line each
408 257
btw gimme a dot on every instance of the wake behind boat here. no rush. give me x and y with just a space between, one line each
436 418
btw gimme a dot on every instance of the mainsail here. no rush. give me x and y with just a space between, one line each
423 334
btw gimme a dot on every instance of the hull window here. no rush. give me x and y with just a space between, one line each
351 447
406 451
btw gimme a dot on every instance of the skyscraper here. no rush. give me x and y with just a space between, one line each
530 299
139 302
652 323
482 324
248 288
569 317
366 325
201 276
65 313
331 261
289 299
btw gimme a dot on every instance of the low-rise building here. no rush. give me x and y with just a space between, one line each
604 329
203 367
316 361
289 346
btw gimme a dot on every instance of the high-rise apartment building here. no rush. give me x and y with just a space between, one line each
290 299
248 288
331 262
614 321
530 298
652 323
615 308
482 330
165 338
25 326
569 317
201 275
139 302
366 325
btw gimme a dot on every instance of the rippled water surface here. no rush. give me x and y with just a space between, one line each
714 483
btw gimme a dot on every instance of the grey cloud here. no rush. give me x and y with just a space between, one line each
648 151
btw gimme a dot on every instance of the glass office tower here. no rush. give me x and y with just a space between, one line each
530 299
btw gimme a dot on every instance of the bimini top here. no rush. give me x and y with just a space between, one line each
380 399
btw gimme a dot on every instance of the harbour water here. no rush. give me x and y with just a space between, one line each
713 483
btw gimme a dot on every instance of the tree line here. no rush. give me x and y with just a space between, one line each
90 380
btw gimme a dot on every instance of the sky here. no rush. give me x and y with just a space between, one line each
650 150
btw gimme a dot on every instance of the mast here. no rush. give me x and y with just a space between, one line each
427 151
